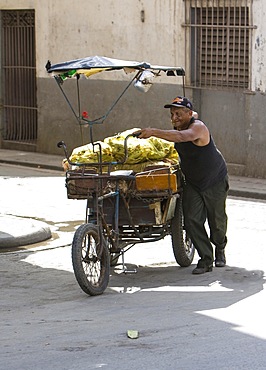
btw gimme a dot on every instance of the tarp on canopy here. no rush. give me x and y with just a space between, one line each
100 63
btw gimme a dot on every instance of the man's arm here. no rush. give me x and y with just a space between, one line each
197 132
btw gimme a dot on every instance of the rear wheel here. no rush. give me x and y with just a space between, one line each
90 259
183 247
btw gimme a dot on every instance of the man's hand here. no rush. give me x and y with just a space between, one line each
144 133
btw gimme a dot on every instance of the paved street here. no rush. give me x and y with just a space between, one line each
184 321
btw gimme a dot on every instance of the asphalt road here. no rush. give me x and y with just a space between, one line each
184 321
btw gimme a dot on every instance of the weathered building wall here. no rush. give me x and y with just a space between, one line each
122 29
139 30
151 31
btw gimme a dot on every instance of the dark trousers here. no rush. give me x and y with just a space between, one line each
210 205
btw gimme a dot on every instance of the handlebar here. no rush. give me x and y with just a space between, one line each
136 134
61 144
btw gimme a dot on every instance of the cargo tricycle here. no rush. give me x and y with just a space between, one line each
125 206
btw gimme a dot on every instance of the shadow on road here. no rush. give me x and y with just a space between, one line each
232 282
46 318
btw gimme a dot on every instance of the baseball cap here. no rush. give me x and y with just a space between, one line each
180 102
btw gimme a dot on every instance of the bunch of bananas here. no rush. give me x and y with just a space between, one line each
117 143
163 149
145 166
139 150
91 153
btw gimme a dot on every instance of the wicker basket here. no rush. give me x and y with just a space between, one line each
80 183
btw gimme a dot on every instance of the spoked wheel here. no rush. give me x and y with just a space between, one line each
90 259
183 247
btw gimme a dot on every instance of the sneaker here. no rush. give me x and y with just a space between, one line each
220 260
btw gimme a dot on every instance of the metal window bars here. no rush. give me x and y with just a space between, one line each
220 42
19 76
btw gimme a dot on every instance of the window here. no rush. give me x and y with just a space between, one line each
220 36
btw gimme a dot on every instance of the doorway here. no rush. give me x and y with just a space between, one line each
18 90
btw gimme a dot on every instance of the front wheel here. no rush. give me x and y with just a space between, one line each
183 247
90 259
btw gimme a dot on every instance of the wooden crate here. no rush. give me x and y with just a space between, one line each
156 182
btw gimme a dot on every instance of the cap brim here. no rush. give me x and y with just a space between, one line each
173 105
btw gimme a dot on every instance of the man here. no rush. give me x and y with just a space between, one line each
206 182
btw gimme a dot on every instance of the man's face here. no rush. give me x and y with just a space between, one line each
180 117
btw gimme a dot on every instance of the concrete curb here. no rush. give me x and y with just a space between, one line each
240 193
22 231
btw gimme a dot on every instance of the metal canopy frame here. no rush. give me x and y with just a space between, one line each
91 65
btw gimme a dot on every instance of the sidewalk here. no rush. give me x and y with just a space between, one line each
32 159
31 231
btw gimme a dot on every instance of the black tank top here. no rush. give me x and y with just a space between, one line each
203 166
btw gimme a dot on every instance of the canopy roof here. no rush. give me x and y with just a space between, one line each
95 64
